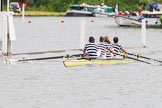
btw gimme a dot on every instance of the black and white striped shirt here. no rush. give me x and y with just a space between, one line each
90 50
117 48
103 46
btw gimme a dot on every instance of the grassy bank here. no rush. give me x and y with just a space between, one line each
40 13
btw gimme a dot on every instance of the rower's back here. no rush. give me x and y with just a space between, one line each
90 49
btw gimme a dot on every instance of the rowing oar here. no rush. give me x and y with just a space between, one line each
139 56
8 61
42 52
125 56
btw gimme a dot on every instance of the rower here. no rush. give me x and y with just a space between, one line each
117 48
104 47
101 48
90 49
110 51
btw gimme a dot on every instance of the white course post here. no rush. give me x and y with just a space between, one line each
7 32
82 34
8 5
143 28
23 12
3 32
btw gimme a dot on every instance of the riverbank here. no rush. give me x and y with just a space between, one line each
41 13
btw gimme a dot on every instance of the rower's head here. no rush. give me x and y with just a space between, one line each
106 39
115 39
101 39
91 39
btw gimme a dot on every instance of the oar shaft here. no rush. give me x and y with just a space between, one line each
47 58
138 60
134 59
139 56
43 58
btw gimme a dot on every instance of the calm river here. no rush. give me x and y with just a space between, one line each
48 84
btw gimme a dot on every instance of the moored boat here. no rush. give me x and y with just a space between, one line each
103 11
135 21
80 10
152 10
127 21
74 63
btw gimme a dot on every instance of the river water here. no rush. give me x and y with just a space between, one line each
48 84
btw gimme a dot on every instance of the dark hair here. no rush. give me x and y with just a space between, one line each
101 39
115 39
91 39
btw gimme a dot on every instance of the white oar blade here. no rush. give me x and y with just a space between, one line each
10 61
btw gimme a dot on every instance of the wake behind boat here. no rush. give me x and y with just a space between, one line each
81 62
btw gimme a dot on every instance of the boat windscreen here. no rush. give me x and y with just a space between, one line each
76 7
91 9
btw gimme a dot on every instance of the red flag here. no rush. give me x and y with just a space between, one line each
27 3
21 3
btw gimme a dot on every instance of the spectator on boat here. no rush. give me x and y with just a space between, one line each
117 48
126 13
140 10
141 17
134 13
120 13
110 51
90 49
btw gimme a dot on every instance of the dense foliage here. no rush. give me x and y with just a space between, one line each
161 19
62 5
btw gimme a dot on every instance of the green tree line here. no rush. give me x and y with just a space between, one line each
62 5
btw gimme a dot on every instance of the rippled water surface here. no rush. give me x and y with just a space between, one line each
48 84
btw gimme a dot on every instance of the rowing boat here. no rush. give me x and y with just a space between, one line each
80 62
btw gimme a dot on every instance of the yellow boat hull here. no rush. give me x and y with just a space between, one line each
73 63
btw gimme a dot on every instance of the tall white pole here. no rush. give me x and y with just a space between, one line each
0 5
23 12
82 34
144 32
8 3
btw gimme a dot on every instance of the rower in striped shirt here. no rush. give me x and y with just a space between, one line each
104 48
117 48
110 51
90 49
